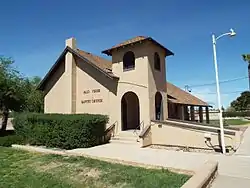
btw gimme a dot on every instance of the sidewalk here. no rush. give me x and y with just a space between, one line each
236 166
234 170
244 148
230 182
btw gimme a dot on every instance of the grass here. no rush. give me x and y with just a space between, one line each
231 122
237 122
19 169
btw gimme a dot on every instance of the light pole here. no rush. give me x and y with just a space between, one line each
214 38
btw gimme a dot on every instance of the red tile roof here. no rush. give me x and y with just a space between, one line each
180 96
100 62
136 40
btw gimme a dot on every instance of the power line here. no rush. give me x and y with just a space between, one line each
213 93
213 83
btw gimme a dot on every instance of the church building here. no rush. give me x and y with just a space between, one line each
131 88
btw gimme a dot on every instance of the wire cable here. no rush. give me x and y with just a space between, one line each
221 82
213 93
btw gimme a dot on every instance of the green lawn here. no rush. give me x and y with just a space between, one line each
231 122
19 169
237 122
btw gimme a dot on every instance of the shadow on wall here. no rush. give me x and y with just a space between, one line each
56 75
158 76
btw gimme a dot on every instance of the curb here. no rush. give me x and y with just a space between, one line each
204 176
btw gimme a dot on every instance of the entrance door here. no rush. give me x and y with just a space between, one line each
130 111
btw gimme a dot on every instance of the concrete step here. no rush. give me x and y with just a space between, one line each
125 137
129 133
133 142
134 138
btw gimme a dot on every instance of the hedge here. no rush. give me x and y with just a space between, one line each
8 137
61 130
237 114
7 141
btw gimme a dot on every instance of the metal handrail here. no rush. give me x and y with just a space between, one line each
139 126
111 127
143 132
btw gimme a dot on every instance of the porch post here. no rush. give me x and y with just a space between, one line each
207 115
200 114
192 113
186 114
181 112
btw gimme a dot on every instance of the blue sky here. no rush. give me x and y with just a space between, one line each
33 33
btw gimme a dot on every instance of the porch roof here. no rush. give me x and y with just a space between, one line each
179 96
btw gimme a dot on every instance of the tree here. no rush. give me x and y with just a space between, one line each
242 102
34 97
12 92
230 109
246 58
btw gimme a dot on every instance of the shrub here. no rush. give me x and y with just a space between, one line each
7 141
7 138
61 130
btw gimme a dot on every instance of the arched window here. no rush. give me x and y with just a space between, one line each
158 106
157 61
128 61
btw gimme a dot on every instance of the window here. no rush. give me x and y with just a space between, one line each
128 61
157 62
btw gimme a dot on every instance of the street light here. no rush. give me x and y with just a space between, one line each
214 38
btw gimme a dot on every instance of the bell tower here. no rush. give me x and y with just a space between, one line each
140 65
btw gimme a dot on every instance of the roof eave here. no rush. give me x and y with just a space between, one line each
203 105
168 52
89 62
41 84
110 50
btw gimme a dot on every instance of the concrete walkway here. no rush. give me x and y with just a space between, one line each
230 182
234 170
236 166
244 148
235 175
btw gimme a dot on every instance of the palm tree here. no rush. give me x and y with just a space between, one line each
246 58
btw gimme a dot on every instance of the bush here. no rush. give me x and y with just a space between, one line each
61 130
237 114
7 138
7 141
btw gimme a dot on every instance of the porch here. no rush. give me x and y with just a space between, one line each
187 112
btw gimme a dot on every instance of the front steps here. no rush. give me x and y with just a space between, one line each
126 137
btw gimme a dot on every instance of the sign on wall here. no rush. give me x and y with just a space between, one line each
93 91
